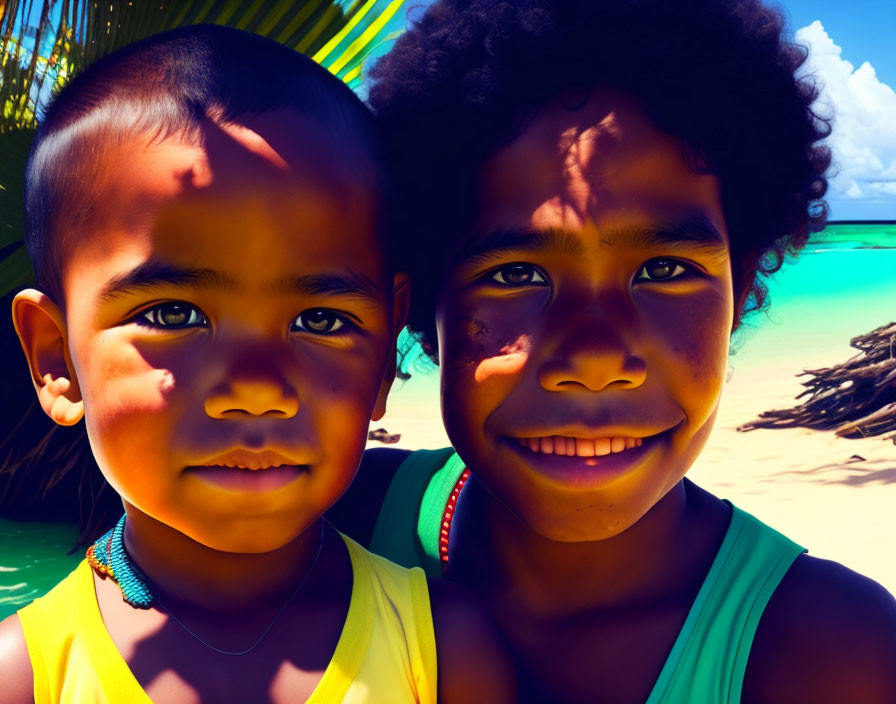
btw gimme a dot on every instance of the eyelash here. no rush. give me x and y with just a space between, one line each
345 325
145 318
151 318
535 271
687 270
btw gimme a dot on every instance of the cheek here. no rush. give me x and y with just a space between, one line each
476 333
117 380
340 392
132 408
483 350
695 352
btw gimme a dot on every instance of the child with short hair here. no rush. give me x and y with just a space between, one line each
205 216
601 183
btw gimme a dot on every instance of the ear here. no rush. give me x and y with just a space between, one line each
401 300
41 328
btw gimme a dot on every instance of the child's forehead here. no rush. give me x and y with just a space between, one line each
243 197
267 151
596 164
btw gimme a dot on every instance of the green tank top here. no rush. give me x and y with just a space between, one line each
707 662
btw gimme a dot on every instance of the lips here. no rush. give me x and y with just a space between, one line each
250 471
580 447
589 460
250 459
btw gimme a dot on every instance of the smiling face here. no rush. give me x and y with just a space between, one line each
229 323
583 326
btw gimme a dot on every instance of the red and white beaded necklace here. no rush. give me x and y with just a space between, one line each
447 516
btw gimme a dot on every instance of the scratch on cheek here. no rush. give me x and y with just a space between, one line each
476 329
166 383
510 359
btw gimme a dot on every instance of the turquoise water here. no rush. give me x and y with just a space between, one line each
33 557
844 284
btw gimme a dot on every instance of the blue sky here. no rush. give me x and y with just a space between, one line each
866 29
864 105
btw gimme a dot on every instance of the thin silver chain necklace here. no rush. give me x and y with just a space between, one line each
270 625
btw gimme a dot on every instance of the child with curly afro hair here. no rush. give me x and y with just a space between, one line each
592 192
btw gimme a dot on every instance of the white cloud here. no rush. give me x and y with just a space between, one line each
864 110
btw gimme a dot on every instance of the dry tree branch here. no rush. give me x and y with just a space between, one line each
856 399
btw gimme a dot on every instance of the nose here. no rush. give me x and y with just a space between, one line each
253 393
592 357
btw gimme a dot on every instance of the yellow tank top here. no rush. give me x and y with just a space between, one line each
386 652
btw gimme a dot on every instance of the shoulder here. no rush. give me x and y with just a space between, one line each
474 662
15 665
828 634
356 512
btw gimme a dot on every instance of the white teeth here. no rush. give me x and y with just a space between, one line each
603 446
584 448
581 447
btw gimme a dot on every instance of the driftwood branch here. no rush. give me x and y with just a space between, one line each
855 399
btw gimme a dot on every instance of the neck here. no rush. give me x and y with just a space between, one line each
669 548
183 570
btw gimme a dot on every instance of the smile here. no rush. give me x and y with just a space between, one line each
592 462
580 447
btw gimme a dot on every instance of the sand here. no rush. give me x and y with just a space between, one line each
806 484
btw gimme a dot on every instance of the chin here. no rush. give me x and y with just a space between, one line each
581 524
245 536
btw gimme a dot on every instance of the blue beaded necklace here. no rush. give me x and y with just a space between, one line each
108 557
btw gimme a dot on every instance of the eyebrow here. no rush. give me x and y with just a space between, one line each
689 232
494 243
349 283
154 273
694 230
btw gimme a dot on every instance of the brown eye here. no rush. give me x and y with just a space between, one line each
319 321
173 316
660 270
519 275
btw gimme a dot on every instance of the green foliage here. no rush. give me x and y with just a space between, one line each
15 269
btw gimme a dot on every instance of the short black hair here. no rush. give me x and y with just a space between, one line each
718 74
162 86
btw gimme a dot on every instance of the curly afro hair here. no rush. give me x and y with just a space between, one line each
717 74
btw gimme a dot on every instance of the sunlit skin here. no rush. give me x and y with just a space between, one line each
172 375
226 333
586 319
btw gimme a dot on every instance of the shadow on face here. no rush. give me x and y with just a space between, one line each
584 322
227 326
